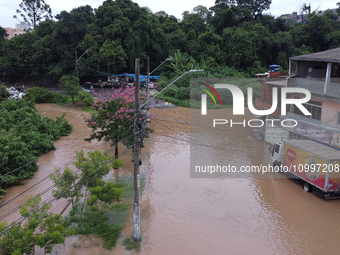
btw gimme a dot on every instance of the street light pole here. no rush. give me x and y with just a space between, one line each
190 71
77 60
136 152
148 78
168 59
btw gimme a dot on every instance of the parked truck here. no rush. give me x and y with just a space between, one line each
315 165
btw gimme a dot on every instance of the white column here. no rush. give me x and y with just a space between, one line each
328 76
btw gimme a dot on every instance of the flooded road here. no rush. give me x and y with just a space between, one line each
183 215
231 215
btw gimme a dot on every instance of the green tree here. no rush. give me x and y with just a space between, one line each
225 16
255 7
240 48
88 184
209 44
70 84
300 35
3 36
179 61
24 136
33 11
194 21
175 37
110 58
319 27
43 229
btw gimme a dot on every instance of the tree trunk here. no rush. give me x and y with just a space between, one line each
116 147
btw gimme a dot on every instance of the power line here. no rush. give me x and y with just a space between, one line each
45 191
47 178
134 116
14 225
119 136
203 144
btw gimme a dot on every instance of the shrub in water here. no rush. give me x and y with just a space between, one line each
117 163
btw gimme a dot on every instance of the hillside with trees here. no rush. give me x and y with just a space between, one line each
232 33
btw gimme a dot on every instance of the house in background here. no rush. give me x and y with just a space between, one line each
319 73
19 29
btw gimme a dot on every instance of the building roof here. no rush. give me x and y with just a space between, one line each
332 55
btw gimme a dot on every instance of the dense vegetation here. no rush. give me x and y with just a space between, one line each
41 95
97 208
24 136
42 228
231 33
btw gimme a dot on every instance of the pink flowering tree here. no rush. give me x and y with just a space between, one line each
113 119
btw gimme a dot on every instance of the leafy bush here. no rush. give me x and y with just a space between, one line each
24 136
183 93
88 101
86 98
171 91
64 126
41 95
83 94
129 244
37 95
3 93
117 163
55 97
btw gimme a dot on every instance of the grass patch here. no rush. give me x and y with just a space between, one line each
87 109
106 221
129 244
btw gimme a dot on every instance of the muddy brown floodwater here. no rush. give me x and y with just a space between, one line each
183 215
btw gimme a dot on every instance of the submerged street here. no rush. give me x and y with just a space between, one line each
183 215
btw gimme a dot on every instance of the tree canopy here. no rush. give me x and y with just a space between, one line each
119 31
34 11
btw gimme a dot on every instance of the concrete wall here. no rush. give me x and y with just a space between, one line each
329 112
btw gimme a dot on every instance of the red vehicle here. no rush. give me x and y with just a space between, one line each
315 165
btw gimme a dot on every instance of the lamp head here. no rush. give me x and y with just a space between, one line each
193 71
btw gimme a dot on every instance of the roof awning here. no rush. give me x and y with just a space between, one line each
142 78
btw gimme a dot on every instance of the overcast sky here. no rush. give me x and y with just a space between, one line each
172 7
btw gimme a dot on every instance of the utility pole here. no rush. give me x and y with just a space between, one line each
136 150
77 65
147 86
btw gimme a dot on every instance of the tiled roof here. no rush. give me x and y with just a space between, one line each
332 55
